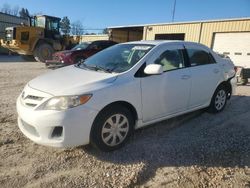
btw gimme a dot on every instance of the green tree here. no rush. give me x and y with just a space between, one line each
105 31
24 13
65 25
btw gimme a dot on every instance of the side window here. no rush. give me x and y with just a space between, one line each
104 45
199 57
52 25
95 45
170 60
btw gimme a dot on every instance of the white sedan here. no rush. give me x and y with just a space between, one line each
122 88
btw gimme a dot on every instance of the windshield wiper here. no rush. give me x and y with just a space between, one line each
79 64
96 67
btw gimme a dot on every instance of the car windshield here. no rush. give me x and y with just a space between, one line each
118 58
81 46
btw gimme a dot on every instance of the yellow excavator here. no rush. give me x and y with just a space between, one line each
38 40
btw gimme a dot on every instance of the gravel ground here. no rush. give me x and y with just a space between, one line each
194 150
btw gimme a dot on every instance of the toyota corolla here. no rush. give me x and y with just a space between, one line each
122 88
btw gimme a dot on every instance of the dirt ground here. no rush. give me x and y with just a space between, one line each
195 150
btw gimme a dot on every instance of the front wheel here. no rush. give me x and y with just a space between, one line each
112 128
43 52
219 100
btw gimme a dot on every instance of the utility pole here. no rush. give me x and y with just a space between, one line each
173 11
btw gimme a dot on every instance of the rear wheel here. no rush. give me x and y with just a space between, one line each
219 100
43 52
112 128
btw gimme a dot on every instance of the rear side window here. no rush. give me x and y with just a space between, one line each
170 60
199 57
95 45
102 45
106 45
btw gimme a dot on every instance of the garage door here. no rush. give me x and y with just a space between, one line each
234 45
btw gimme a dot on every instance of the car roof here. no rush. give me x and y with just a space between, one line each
159 42
103 41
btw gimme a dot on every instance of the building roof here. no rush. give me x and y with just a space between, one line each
41 15
174 23
18 17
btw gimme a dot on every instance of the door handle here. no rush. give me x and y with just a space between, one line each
216 71
185 77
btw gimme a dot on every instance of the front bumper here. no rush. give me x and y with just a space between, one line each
40 125
233 83
54 63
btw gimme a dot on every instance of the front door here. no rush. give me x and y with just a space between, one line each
168 93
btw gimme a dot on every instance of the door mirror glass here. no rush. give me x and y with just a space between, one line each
153 69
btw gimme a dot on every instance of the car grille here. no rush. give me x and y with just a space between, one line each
56 57
32 98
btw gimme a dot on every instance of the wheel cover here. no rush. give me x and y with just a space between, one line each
220 99
115 129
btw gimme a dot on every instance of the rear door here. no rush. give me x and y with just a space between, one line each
205 73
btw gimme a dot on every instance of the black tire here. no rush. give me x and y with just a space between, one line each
43 52
220 97
28 58
98 134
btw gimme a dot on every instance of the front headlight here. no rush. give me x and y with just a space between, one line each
64 102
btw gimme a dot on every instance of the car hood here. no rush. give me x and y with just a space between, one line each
71 80
62 52
66 52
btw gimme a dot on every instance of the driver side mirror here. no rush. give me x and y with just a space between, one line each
153 69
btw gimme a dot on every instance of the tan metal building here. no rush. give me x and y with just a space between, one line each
228 36
197 31
89 38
